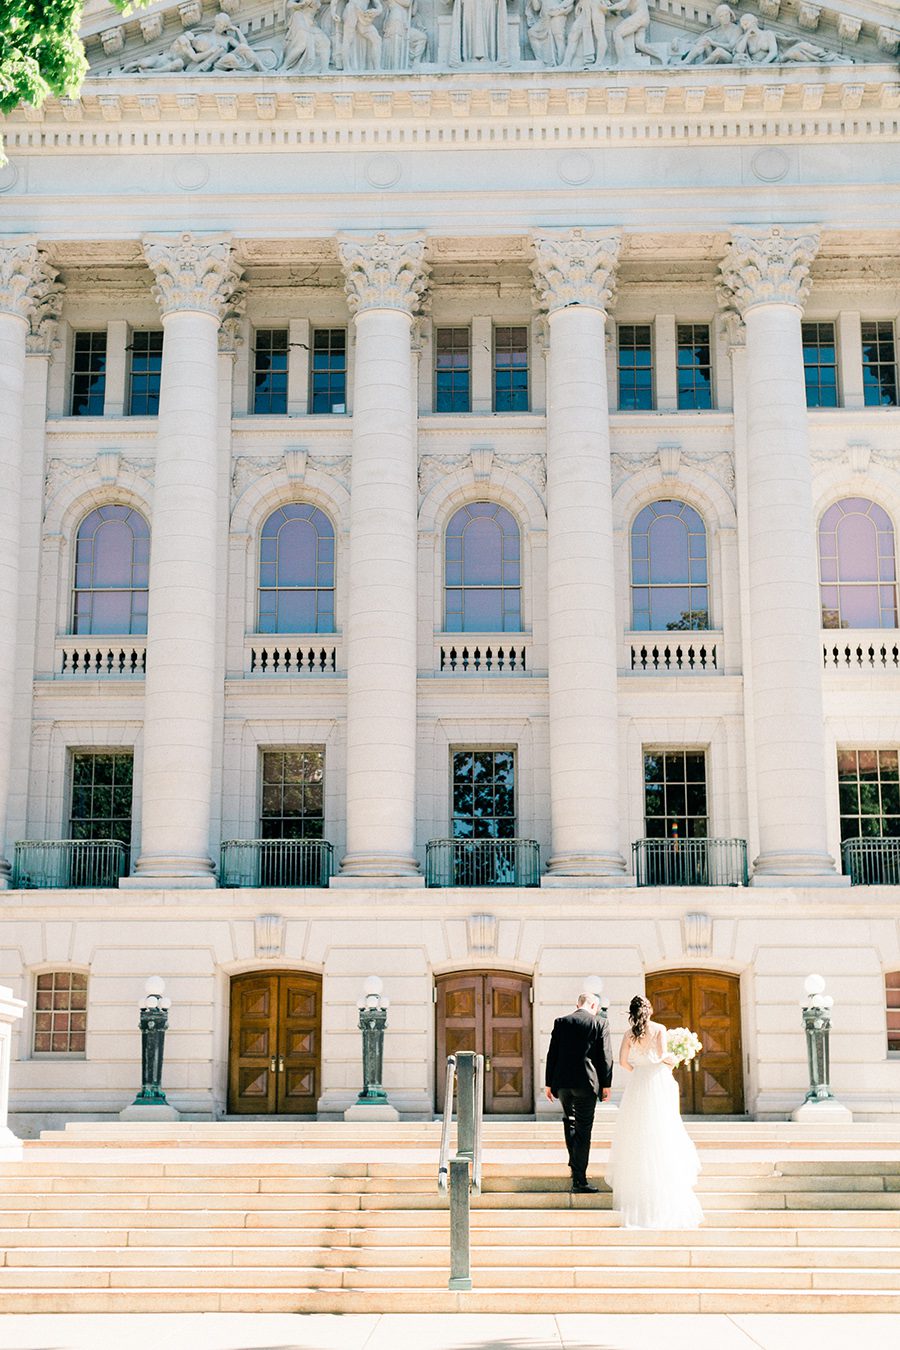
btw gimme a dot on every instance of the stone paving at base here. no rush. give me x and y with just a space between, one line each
265 1331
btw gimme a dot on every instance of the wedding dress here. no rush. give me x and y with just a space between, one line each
653 1165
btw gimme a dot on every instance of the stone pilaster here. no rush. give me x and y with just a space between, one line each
197 283
386 283
575 277
765 278
30 299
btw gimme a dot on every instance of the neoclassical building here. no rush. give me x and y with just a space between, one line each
450 469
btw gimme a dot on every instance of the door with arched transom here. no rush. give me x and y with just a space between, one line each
710 1004
275 1048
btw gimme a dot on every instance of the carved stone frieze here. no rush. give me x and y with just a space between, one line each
575 267
771 267
193 273
858 456
719 464
293 464
532 468
311 37
30 288
386 272
106 467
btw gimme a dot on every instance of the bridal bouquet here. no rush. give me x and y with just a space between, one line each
683 1044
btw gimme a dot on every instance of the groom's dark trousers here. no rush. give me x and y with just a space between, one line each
579 1067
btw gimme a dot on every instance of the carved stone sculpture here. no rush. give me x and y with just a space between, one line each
404 44
479 32
771 267
630 35
546 22
359 40
717 46
307 49
223 48
193 273
387 272
574 267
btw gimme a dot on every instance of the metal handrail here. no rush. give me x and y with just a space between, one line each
479 1122
444 1158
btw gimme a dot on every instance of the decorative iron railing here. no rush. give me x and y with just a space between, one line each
276 862
690 862
68 863
675 654
93 658
482 862
872 862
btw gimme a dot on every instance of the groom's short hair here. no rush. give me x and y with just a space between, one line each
587 997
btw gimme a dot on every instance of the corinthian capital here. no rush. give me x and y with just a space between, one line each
575 267
769 268
193 272
30 289
387 272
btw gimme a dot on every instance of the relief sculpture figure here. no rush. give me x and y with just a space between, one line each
759 46
359 39
587 44
479 32
224 48
546 22
404 44
630 34
717 46
307 48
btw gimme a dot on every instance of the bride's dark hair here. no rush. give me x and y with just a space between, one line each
639 1011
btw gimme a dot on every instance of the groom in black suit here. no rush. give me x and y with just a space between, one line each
579 1070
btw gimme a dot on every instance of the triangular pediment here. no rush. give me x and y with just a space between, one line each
305 39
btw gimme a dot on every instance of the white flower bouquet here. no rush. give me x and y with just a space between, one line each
683 1045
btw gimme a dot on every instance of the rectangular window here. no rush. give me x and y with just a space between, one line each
675 794
820 365
869 793
270 370
452 370
892 999
88 374
293 794
879 364
328 371
694 368
101 795
60 1013
511 369
145 373
635 348
484 794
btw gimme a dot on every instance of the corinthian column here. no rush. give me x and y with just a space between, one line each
574 273
765 278
196 286
386 280
29 305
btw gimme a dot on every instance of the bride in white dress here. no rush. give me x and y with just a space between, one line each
653 1164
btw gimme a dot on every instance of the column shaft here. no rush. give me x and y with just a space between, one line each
381 618
582 646
13 331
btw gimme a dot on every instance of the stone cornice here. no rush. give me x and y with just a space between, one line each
30 290
575 267
768 267
385 271
194 272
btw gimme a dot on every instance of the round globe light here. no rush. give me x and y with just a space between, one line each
155 985
826 1001
373 986
593 985
814 984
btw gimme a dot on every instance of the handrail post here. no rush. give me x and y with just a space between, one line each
465 1110
460 1255
464 1170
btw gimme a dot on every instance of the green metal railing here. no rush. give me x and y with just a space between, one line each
690 862
276 862
872 862
68 863
482 862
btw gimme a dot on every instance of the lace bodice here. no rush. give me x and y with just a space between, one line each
650 1050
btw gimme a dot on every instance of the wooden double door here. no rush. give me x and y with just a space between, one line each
488 1012
275 1050
709 1004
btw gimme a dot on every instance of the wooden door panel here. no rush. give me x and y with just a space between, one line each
299 1051
460 1022
507 1034
253 1044
275 1044
710 1004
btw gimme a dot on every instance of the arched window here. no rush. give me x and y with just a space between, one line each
482 571
296 571
112 559
857 566
669 579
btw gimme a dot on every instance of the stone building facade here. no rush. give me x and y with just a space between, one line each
455 446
